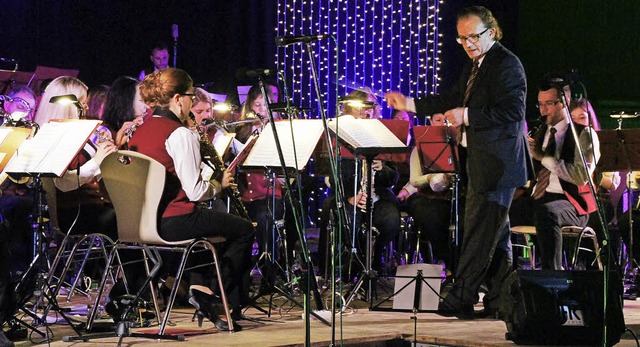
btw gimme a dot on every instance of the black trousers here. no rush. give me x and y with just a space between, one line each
433 217
551 213
236 255
486 255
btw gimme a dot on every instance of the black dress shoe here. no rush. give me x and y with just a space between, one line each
208 306
464 312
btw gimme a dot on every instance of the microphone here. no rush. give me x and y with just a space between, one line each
174 32
282 41
244 73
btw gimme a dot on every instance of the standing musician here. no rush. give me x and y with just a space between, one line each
165 138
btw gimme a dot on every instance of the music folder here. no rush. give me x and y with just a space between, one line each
435 152
619 149
51 151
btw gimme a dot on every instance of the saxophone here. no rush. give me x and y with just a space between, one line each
211 158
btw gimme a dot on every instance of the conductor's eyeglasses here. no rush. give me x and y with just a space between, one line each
471 38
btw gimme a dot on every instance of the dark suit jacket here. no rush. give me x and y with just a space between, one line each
497 150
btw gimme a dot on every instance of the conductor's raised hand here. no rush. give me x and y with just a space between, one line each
396 100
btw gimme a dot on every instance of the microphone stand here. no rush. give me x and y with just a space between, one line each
174 33
294 209
599 209
456 199
335 172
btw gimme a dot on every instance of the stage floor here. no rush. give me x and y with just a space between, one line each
357 327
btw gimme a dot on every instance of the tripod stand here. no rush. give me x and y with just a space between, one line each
40 267
266 262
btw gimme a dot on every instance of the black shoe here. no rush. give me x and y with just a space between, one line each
208 306
488 313
464 312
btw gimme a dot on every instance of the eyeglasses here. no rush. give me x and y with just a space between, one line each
191 95
21 104
471 38
546 104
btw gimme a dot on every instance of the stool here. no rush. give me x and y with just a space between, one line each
525 232
581 233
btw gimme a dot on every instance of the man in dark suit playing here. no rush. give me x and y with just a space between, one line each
488 104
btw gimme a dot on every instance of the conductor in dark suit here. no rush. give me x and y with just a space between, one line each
488 104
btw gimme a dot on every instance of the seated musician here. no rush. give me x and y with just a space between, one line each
255 187
560 179
165 138
431 205
80 202
386 211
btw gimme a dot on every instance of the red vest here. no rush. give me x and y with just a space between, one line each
150 139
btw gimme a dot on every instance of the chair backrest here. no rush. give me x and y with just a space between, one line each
135 183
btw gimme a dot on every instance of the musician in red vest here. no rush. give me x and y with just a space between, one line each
561 194
165 138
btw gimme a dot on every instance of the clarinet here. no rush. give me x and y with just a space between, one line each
210 157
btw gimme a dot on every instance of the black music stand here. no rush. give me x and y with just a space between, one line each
368 275
620 151
48 154
439 154
296 156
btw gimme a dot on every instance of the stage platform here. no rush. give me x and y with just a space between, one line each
357 327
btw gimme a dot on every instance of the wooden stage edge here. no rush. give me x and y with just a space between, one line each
358 327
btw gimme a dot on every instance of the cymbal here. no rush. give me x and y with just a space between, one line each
623 115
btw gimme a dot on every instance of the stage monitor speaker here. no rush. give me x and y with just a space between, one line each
547 307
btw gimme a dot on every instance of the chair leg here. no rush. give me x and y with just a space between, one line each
223 294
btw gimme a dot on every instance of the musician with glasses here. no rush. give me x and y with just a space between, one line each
488 103
561 195
165 137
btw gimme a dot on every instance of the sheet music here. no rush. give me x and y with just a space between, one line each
306 132
365 133
53 148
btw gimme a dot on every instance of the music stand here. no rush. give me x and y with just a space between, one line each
11 77
296 152
48 154
43 73
439 154
367 138
620 151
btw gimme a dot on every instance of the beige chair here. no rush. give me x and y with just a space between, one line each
579 233
135 184
523 240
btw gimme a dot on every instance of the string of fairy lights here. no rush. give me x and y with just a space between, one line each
382 44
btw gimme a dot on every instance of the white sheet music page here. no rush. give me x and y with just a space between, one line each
53 148
306 134
364 133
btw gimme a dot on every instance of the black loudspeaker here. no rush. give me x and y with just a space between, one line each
547 307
